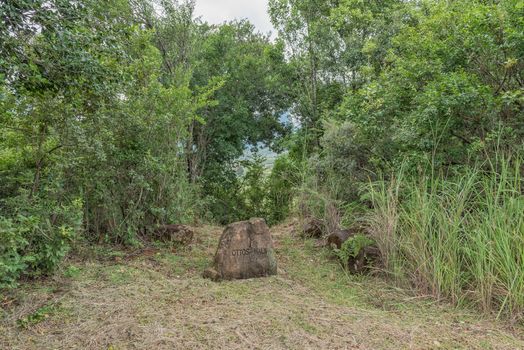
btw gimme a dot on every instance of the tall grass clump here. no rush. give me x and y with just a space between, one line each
458 238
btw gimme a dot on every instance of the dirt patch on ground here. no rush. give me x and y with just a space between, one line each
158 300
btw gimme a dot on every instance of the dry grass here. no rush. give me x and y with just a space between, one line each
156 299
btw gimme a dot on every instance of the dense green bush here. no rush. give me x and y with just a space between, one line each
450 89
258 190
352 247
12 263
281 188
254 187
35 238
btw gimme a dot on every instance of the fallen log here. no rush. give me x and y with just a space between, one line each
338 237
312 228
178 234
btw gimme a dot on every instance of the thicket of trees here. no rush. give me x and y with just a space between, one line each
413 125
117 116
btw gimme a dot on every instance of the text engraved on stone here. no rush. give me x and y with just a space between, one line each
249 251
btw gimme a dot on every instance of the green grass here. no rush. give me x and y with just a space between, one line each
181 264
321 271
155 298
459 239
40 314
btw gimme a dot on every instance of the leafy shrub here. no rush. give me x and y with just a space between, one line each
352 247
281 186
254 190
254 187
344 163
12 241
35 240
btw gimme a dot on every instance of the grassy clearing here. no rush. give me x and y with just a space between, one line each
155 298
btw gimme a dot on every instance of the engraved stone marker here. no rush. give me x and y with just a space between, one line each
245 250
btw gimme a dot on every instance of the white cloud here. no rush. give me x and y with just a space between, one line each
219 11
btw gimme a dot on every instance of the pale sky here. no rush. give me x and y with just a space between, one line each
218 11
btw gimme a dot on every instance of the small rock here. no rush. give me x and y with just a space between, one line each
212 274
